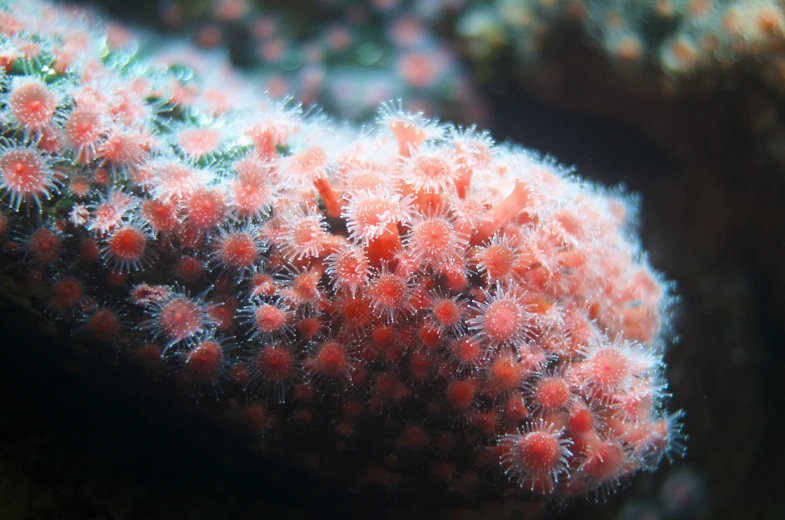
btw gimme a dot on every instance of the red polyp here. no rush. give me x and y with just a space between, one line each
515 203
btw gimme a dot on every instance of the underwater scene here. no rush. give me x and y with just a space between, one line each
392 259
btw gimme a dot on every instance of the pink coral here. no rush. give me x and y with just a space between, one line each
527 336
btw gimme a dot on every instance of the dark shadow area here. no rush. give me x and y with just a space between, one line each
100 439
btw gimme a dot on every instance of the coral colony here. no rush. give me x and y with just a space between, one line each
674 51
486 316
678 37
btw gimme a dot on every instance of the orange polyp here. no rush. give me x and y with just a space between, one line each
515 408
262 284
44 246
639 324
270 318
383 337
603 461
305 287
571 259
466 350
430 335
389 292
508 209
383 248
32 103
127 243
333 204
429 202
104 325
203 363
274 363
645 287
332 244
503 320
608 368
536 304
497 260
66 294
461 394
265 138
306 238
581 418
331 360
536 277
310 161
356 311
504 375
455 272
447 312
409 136
419 298
198 142
463 181
552 393
433 240
238 250
538 453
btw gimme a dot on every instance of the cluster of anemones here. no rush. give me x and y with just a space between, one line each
489 307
